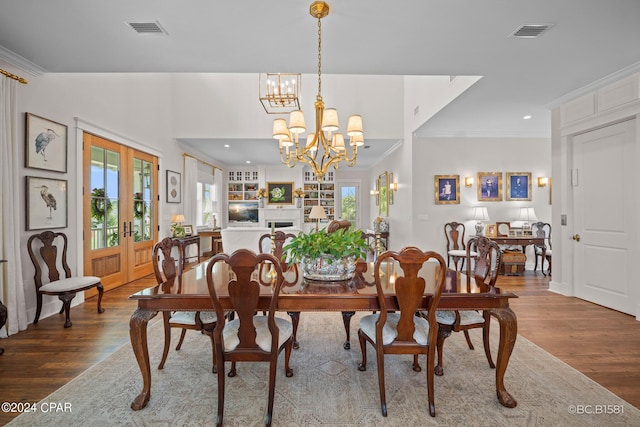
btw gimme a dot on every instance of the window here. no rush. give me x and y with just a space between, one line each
205 204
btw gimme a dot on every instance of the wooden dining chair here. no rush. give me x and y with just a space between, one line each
404 332
47 254
248 337
484 275
456 246
543 230
272 243
167 272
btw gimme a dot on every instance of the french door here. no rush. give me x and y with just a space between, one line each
120 211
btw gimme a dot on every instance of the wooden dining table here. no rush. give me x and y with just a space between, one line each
357 294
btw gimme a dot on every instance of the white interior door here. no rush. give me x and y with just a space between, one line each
605 197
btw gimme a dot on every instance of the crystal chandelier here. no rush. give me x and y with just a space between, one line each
325 147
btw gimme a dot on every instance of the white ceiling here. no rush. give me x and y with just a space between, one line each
590 40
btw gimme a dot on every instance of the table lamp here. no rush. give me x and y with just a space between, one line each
480 214
177 219
526 215
317 213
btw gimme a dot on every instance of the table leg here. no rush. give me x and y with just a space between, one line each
508 333
295 319
138 333
346 319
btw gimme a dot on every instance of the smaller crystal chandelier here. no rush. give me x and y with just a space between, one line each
279 92
324 147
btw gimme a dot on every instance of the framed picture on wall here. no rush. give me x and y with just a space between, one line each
46 144
174 187
46 203
490 186
519 186
446 189
280 193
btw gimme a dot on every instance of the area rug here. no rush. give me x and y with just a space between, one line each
328 389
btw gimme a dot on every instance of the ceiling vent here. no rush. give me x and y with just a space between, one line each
147 27
531 31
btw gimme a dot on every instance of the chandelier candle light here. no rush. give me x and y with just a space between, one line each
324 147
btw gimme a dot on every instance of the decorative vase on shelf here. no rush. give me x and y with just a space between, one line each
380 224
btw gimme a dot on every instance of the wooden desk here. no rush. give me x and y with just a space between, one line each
216 241
354 295
184 242
523 241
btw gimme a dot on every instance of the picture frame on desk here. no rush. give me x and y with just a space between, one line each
502 229
492 230
188 230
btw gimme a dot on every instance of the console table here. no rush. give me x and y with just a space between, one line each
216 241
522 241
184 242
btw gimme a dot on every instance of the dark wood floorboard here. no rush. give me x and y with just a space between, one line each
601 343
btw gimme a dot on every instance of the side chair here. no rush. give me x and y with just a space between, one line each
404 332
248 337
456 247
45 251
167 273
542 229
484 275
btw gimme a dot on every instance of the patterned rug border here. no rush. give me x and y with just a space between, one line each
547 389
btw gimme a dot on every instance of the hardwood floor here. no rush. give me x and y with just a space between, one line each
601 343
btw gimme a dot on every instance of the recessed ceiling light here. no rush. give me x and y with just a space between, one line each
226 146
527 117
248 161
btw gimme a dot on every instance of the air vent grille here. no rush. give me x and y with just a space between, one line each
147 27
531 31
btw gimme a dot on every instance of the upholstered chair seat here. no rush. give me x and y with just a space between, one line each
263 336
70 284
390 328
189 317
469 317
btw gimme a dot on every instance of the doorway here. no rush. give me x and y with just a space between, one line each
348 201
120 211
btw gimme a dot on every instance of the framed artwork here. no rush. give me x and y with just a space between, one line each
280 193
490 186
519 186
174 187
46 202
492 230
46 144
446 189
188 230
502 229
382 187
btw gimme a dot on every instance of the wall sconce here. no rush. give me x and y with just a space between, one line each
468 181
543 181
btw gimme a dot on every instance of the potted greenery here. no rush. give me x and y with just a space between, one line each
326 256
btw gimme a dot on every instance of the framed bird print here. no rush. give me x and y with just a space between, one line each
46 144
46 203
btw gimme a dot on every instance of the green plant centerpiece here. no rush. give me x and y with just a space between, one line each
326 256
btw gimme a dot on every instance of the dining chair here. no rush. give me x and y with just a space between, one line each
167 272
456 247
485 273
248 337
272 243
46 253
543 230
404 332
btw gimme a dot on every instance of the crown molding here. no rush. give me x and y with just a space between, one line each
20 62
594 86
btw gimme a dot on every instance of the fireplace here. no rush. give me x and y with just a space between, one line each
279 224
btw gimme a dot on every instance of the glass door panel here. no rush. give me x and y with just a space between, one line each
104 198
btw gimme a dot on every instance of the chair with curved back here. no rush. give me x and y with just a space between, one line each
337 224
248 337
485 273
542 229
49 254
166 273
273 243
404 332
456 247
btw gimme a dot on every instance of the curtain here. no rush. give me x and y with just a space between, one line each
11 283
190 190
